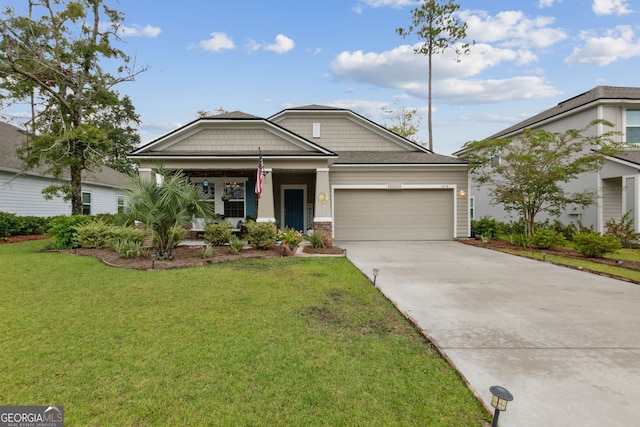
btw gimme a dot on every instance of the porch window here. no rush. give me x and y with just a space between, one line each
86 203
234 199
207 189
633 126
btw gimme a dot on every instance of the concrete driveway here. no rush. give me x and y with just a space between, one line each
565 343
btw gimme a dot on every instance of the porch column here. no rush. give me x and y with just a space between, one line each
322 219
266 211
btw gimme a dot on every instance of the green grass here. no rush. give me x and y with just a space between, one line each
285 341
623 254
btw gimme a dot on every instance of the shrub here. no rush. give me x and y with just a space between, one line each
63 230
623 230
521 240
207 251
261 234
9 224
547 238
291 236
236 244
128 248
318 239
95 234
130 233
594 245
173 238
217 234
486 227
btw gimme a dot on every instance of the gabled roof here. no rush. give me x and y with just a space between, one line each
394 158
236 118
584 100
12 137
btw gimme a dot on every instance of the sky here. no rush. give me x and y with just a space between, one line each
261 57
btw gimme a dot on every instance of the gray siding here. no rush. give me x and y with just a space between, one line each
340 134
232 140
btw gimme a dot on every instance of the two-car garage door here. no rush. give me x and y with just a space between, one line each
420 214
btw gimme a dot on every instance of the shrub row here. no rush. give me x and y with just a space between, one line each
14 225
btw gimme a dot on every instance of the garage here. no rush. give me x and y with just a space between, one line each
376 214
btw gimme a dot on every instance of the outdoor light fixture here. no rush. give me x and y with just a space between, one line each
501 397
462 193
375 275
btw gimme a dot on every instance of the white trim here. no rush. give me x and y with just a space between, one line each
323 169
404 165
273 220
453 187
599 203
636 204
302 187
323 219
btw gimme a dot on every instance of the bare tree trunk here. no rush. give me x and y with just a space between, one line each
429 108
76 190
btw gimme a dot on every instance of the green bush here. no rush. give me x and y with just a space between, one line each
623 230
95 234
9 224
130 233
547 238
521 240
236 244
594 245
207 251
174 237
486 227
128 248
261 234
63 230
317 239
217 234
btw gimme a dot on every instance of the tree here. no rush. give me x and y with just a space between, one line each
526 175
165 208
406 121
434 22
79 121
206 113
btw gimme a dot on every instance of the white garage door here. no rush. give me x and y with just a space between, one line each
393 215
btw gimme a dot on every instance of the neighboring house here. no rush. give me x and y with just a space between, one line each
21 190
617 183
325 168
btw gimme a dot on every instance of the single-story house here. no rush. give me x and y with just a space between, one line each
324 168
21 190
617 183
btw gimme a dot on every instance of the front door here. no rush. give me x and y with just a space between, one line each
293 208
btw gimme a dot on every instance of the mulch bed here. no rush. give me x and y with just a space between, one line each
564 252
184 256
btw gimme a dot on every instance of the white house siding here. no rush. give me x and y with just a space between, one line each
340 134
452 179
22 196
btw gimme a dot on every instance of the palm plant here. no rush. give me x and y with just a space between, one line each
165 207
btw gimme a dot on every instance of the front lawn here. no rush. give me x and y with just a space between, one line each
283 341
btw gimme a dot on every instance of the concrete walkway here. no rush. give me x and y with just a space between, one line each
565 343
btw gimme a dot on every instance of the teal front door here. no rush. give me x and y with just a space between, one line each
294 208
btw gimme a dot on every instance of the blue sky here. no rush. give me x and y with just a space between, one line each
262 56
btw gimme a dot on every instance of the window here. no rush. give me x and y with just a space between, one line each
207 188
234 199
495 160
633 126
120 199
86 203
472 208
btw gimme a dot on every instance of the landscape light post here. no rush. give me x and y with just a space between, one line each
501 397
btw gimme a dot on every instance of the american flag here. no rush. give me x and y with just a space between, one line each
259 177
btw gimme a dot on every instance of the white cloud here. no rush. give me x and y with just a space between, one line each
217 42
283 44
619 43
391 3
401 68
545 3
611 7
132 31
512 29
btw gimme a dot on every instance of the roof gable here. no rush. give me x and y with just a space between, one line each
231 134
341 130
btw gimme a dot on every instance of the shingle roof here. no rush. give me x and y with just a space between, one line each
630 155
233 115
394 157
596 94
12 137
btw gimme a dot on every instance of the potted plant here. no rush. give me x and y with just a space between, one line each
289 240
